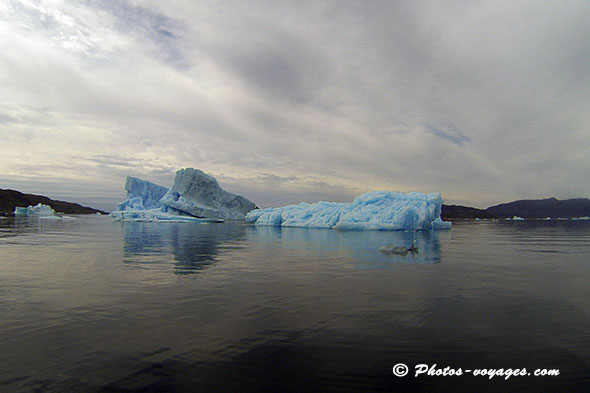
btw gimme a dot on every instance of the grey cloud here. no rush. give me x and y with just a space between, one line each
112 161
35 18
452 134
274 190
121 163
4 118
162 32
298 100
272 72
77 26
271 179
273 62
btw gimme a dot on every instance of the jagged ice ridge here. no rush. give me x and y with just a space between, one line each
195 196
378 210
199 194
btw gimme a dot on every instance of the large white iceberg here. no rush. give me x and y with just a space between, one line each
143 203
378 210
196 193
195 197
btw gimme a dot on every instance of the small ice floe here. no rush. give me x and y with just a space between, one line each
399 250
38 211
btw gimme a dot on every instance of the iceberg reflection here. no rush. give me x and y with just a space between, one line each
192 247
361 245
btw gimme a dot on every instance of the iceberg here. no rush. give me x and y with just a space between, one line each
194 197
143 203
378 210
39 210
515 218
196 193
149 194
439 224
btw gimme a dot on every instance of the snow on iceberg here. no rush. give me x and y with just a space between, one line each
196 193
378 210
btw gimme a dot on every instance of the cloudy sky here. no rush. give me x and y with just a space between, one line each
282 102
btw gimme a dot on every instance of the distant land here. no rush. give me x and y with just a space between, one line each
526 208
11 198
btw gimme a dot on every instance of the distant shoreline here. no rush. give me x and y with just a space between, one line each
9 199
526 208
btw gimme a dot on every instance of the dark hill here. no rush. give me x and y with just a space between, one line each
540 208
11 198
526 208
453 212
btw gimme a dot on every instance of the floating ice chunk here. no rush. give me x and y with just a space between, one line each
156 215
21 211
515 218
197 193
439 224
379 210
39 210
400 250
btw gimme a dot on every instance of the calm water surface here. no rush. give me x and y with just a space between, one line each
92 305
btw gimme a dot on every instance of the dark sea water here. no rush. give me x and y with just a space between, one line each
92 305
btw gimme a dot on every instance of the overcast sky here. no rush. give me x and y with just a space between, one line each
484 102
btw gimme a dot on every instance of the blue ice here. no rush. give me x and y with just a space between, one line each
378 210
